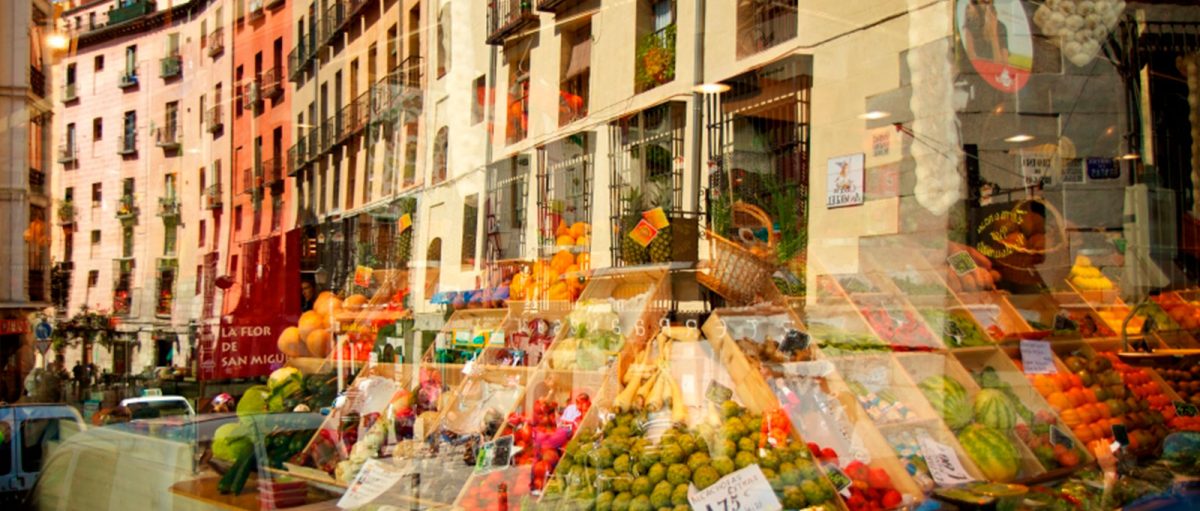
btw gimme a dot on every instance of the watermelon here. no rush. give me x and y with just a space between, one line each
949 400
992 451
995 410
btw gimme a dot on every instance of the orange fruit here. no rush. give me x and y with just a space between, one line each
1059 401
565 240
562 230
328 305
289 343
1083 433
354 303
584 261
582 241
309 321
561 261
580 229
319 343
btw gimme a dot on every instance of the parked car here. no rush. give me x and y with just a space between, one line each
29 434
154 407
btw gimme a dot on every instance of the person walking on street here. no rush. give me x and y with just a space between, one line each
78 373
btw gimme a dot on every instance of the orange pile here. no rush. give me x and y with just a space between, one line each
1077 406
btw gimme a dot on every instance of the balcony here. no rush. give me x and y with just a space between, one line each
214 119
212 197
556 6
66 212
297 61
68 93
273 173
274 3
329 130
250 179
37 181
507 18
170 67
272 83
169 136
127 145
256 9
352 118
129 9
295 157
313 144
128 79
126 208
67 153
216 42
37 82
350 9
332 22
388 95
251 98
168 208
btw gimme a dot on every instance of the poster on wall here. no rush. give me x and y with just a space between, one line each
844 181
995 37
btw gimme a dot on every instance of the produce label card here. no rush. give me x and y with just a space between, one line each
375 478
962 263
744 490
657 218
643 233
1037 357
839 479
404 223
1058 437
1183 409
943 463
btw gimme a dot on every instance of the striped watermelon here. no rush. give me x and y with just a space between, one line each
995 410
992 451
949 399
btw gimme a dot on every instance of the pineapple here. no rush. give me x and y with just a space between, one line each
660 246
631 252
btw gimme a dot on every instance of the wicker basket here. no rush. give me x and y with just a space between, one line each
751 216
1027 266
734 272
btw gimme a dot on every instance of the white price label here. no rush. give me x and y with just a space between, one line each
943 463
374 479
743 490
1037 357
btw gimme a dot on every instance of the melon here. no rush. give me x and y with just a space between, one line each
949 399
992 451
994 409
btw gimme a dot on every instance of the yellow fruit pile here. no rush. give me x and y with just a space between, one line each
311 336
1087 277
560 278
577 234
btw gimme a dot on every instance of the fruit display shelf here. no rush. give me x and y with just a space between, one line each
528 334
766 336
976 416
697 444
465 335
1062 316
947 318
896 322
993 368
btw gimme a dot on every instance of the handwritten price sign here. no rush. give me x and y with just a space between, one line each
743 490
943 463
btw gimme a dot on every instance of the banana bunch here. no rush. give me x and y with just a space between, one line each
1087 277
648 383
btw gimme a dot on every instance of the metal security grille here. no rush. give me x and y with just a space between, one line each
565 169
507 193
758 139
647 148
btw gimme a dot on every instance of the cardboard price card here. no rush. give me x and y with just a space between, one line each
657 218
743 490
373 480
643 233
1037 357
404 222
943 463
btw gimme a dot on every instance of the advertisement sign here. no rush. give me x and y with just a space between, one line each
844 181
996 39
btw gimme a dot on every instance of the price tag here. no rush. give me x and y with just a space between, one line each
962 263
718 393
1037 357
496 453
841 482
743 490
1183 409
1058 437
943 463
643 233
375 478
404 222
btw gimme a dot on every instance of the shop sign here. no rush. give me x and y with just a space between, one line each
844 181
742 490
1102 168
996 39
1036 166
245 351
1073 171
13 326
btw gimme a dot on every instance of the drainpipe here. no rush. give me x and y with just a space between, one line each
697 104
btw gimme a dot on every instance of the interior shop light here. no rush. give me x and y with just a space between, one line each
1019 138
711 88
874 115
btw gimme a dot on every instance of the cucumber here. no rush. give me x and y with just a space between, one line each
235 478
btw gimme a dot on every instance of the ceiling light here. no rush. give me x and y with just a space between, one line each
711 88
874 115
57 41
1018 138
1129 156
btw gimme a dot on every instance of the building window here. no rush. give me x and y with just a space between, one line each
70 142
483 98
70 78
97 128
199 279
504 221
237 218
433 267
761 25
95 236
127 241
443 41
131 61
654 55
644 175
170 240
441 154
565 171
576 75
98 63
97 194
517 125
470 230
129 137
93 278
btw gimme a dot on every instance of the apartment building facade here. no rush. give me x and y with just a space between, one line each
142 155
25 203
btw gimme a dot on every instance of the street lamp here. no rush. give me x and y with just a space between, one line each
58 41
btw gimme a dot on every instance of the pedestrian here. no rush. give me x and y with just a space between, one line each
78 373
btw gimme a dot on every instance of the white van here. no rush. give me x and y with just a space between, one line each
29 434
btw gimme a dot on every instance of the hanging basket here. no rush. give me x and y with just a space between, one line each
748 220
735 273
1015 249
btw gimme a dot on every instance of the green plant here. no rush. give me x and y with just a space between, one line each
784 207
656 58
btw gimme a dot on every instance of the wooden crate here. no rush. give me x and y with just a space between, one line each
924 365
514 323
468 320
993 308
878 373
898 310
464 401
758 325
